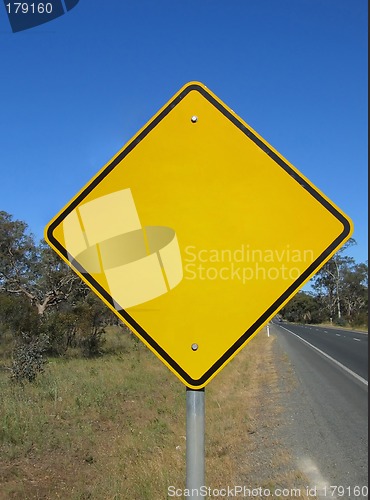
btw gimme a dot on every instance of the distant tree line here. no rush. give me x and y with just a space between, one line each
46 309
339 294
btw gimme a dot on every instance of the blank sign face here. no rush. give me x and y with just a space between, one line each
196 233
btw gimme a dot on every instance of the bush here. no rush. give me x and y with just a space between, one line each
92 343
340 322
91 318
28 360
60 329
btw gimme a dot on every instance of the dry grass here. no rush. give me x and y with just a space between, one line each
114 427
360 328
244 445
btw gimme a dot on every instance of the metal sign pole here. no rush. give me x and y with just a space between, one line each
195 416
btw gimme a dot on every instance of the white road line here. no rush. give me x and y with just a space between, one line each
329 357
337 334
358 340
325 331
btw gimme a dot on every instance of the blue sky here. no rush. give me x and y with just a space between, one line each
74 91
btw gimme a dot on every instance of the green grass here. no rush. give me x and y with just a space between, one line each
113 415
114 427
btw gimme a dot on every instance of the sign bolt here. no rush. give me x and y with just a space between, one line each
194 347
194 119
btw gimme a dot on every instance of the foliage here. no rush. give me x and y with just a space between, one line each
17 253
354 293
91 318
340 294
303 308
17 314
79 324
28 359
341 286
44 305
32 271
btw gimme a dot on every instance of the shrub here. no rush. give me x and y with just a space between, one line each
28 360
340 322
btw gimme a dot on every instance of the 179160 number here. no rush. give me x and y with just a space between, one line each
32 8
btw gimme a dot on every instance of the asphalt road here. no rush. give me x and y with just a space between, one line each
326 408
349 348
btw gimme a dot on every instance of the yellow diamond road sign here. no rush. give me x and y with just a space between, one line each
196 233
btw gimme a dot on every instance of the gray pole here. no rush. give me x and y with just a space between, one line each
195 476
